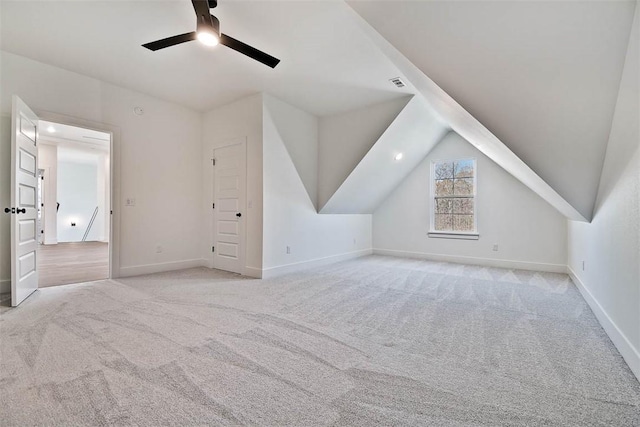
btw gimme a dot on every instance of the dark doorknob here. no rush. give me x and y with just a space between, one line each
9 210
238 214
23 210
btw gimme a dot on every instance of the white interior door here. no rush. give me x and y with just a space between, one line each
229 183
24 209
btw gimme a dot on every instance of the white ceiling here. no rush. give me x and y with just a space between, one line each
75 145
328 65
541 76
87 137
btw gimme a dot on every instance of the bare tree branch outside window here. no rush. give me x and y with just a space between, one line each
454 198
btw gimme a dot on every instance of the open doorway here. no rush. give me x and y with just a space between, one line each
74 215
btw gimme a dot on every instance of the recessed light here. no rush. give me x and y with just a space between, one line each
51 129
398 156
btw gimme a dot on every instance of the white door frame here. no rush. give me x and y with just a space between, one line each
114 175
242 140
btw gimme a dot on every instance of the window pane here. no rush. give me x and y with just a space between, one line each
444 187
444 206
463 223
463 169
443 222
463 187
463 206
453 201
444 170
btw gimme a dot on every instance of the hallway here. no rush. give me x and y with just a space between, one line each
75 262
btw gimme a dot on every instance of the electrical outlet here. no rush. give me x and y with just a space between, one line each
159 249
288 250
130 201
495 247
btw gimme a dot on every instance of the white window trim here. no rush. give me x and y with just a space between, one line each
463 235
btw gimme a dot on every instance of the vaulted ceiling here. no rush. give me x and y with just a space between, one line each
542 76
539 78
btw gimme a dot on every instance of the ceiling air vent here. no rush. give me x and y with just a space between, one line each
397 81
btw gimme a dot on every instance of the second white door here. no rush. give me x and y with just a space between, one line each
229 183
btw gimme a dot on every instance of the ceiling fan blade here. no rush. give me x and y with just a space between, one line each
250 51
170 41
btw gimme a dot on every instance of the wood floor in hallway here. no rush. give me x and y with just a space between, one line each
74 262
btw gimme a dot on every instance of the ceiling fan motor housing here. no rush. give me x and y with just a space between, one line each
208 23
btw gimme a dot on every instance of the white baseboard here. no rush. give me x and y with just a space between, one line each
253 272
486 262
629 353
317 262
5 286
138 270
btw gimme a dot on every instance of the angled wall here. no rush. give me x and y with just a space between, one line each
604 255
290 217
540 75
459 120
528 231
299 133
344 139
414 132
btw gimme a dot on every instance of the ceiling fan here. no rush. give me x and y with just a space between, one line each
208 33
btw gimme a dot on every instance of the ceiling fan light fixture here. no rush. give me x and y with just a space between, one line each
207 37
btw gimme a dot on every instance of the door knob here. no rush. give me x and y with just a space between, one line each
238 214
23 210
9 210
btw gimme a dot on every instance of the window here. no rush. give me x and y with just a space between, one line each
453 188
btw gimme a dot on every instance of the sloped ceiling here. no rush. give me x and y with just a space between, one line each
344 140
541 76
292 127
414 132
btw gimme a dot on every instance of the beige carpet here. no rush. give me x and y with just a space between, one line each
373 341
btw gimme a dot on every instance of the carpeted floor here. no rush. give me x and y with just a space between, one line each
374 341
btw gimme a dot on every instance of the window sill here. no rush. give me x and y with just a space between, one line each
453 235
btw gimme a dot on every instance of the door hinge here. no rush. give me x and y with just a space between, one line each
111 212
213 248
42 177
214 206
213 161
